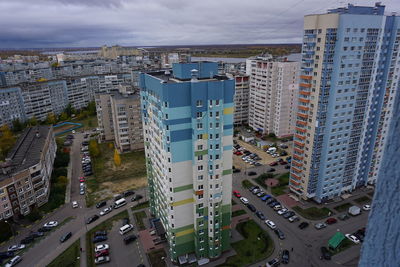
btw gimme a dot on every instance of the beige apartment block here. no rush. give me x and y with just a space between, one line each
273 93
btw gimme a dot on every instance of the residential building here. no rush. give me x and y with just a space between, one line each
11 105
116 50
349 78
188 129
273 94
119 119
241 100
25 175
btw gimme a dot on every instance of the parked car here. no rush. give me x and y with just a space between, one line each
101 253
6 255
65 237
101 204
101 247
271 170
125 221
236 170
294 219
251 207
75 204
137 198
287 167
92 219
253 187
273 263
288 214
97 233
99 238
285 256
343 217
277 207
265 197
352 238
101 260
36 234
236 193
16 247
279 233
303 225
51 224
261 194
129 239
260 215
325 253
282 211
283 162
44 229
270 224
251 173
331 221
128 193
270 200
14 261
367 207
319 226
105 211
274 163
244 200
27 240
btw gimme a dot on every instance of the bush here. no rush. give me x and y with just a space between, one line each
6 231
61 160
59 172
246 184
34 215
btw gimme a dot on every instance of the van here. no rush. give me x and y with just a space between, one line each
126 228
271 150
119 203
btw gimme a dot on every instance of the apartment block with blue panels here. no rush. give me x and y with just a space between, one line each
350 59
188 129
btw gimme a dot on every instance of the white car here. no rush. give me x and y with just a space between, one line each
75 204
51 224
14 261
244 200
282 211
16 247
105 211
277 207
367 207
270 224
353 238
102 259
101 247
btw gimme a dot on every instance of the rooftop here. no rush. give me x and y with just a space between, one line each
169 78
27 151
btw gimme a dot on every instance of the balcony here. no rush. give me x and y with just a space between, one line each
298 150
298 144
296 170
304 108
295 176
304 93
304 100
302 115
305 85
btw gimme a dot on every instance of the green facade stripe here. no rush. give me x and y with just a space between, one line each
184 239
201 152
183 188
183 228
184 248
226 208
226 172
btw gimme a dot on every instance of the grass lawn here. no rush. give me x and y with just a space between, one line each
343 246
155 258
68 258
139 217
141 206
342 207
261 180
238 213
256 245
313 213
106 225
247 184
88 123
109 179
283 184
362 200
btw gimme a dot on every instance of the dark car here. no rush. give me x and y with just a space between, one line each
92 219
6 254
251 173
137 197
251 207
285 256
260 215
331 221
287 167
273 263
253 187
271 170
97 233
288 214
65 237
128 193
27 240
101 204
280 234
325 253
85 143
283 153
303 225
270 200
44 229
125 221
36 234
88 173
99 238
283 162
236 170
129 239
101 253
274 203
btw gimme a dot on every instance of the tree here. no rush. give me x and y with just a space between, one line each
51 118
18 126
94 148
63 116
117 158
7 140
33 121
69 110
91 108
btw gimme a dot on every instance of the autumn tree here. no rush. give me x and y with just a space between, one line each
17 125
51 118
33 121
117 158
94 148
7 140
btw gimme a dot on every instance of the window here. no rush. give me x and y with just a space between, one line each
211 124
199 126
199 136
217 125
200 157
200 196
200 177
200 167
200 147
217 102
217 114
199 115
199 103
217 156
216 136
200 187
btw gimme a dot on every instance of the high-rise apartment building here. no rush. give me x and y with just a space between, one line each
188 128
11 105
25 175
241 99
119 119
349 76
273 94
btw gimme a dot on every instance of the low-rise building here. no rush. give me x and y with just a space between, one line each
25 175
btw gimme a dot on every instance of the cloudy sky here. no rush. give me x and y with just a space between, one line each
82 23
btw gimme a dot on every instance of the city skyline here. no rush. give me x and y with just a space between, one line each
94 23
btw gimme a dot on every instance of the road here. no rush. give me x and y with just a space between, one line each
47 249
305 243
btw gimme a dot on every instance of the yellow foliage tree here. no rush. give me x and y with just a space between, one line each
94 148
7 140
117 158
110 145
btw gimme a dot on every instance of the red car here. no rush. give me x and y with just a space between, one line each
273 163
331 221
82 179
102 253
283 162
238 153
236 193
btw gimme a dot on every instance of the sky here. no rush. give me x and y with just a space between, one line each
89 23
